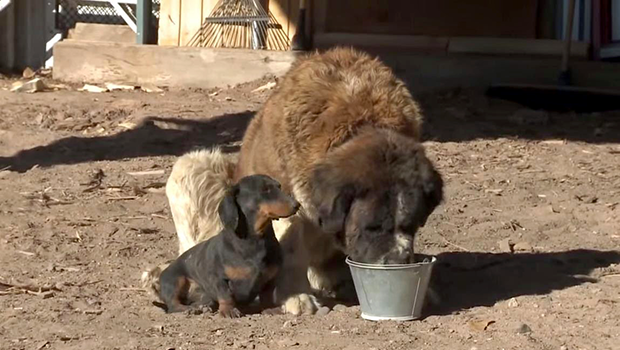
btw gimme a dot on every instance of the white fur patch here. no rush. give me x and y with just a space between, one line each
301 304
403 242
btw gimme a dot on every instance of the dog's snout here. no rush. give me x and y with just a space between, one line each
407 256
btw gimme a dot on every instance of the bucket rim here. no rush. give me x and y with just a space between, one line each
389 266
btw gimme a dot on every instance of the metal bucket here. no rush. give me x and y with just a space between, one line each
391 292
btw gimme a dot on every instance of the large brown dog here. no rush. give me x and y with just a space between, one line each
342 134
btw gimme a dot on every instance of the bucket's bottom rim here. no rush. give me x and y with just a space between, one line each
388 318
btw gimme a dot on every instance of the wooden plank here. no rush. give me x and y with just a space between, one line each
207 7
510 46
280 9
191 19
325 40
496 18
161 65
293 16
99 62
7 36
169 22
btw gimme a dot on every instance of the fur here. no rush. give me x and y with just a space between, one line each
242 261
198 181
342 134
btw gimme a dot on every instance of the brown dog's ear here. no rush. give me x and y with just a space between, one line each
228 210
432 186
332 198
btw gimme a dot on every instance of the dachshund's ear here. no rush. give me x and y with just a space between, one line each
332 198
228 210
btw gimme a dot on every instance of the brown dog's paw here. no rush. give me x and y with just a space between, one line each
231 312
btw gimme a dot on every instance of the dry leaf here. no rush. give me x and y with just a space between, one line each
146 172
151 88
92 88
479 325
267 86
553 142
34 85
128 125
112 87
28 73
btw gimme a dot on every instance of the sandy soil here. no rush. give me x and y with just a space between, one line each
77 228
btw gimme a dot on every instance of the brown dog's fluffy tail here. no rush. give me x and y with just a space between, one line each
198 182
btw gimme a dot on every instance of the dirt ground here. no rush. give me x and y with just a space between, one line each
527 240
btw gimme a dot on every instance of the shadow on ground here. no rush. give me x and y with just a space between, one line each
446 120
465 280
154 137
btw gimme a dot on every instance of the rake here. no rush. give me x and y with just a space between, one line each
241 24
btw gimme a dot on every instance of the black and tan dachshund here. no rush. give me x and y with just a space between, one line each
240 263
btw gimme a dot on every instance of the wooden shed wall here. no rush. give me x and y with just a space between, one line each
447 18
180 20
26 26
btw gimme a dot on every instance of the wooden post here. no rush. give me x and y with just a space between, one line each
299 41
596 30
144 13
7 36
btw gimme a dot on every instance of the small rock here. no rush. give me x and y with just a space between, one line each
339 308
524 329
323 311
523 247
505 245
513 302
34 85
531 117
228 98
28 73
563 347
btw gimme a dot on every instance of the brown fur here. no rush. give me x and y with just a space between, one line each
237 273
323 101
338 124
328 108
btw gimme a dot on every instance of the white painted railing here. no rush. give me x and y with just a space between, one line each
4 4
